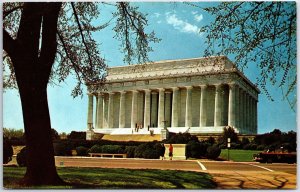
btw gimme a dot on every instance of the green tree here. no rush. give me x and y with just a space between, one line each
46 42
54 134
261 34
229 132
13 133
63 135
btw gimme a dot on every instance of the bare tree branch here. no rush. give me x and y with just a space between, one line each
124 8
81 32
76 68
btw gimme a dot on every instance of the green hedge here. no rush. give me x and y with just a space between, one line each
196 149
95 149
62 149
147 151
81 151
21 158
213 152
129 150
113 149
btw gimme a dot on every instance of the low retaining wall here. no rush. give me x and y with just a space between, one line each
178 151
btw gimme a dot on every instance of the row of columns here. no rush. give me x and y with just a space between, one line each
242 108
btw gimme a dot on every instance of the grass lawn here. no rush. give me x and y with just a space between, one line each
102 178
238 154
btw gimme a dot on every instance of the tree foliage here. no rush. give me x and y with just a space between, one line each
229 132
13 133
261 34
277 139
78 53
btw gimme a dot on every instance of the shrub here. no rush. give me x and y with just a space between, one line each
21 158
211 140
147 150
7 151
62 149
160 148
222 146
250 146
287 147
261 147
77 135
213 152
129 150
151 154
245 141
196 149
95 149
235 146
112 149
81 151
140 149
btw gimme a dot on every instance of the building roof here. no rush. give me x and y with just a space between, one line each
174 68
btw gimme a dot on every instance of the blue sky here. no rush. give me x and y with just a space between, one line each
177 25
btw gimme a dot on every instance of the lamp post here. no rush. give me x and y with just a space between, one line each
228 147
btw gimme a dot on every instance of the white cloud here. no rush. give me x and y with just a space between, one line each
194 12
159 21
182 26
156 15
198 18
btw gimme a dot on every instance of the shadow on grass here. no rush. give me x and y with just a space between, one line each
103 178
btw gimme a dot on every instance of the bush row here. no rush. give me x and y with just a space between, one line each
146 150
196 149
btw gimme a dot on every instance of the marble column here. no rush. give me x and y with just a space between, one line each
248 112
153 119
122 110
134 109
218 106
96 112
105 111
232 106
252 115
90 112
241 114
203 104
237 109
175 107
111 110
255 116
188 107
99 117
245 112
147 108
161 108
168 108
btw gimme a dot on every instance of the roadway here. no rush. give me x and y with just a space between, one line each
228 175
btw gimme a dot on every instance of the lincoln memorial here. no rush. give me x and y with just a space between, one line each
199 96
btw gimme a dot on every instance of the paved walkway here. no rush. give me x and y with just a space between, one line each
228 175
258 180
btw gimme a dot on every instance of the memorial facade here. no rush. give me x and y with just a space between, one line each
199 96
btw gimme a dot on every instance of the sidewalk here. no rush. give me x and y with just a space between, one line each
257 180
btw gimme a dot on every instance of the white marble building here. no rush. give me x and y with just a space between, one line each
200 96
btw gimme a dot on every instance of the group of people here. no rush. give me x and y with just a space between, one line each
170 152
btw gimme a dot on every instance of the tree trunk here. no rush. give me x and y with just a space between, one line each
32 69
41 168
